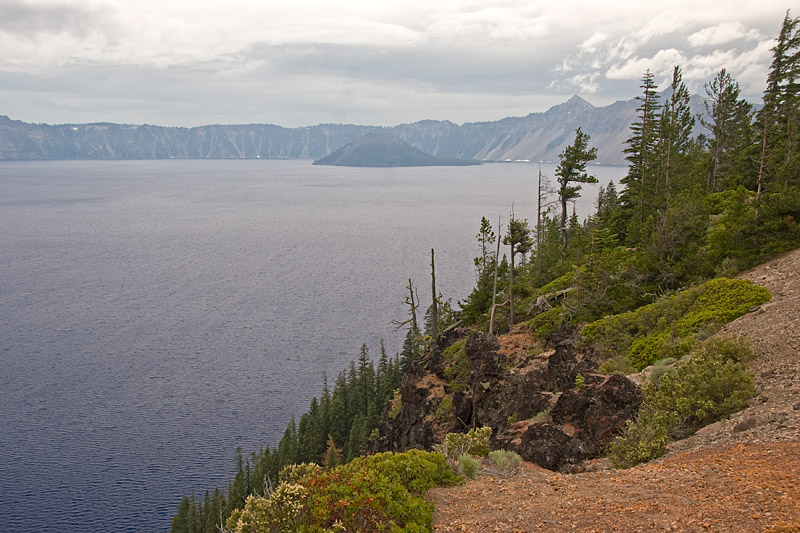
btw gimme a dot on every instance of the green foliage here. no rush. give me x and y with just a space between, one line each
545 324
666 327
504 463
296 473
721 301
616 365
396 405
382 492
475 442
712 383
280 512
570 173
457 369
468 466
445 408
579 381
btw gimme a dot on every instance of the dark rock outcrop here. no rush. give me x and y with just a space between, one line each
531 403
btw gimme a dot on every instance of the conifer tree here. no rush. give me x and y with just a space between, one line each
571 172
486 239
729 123
518 237
640 180
780 115
675 131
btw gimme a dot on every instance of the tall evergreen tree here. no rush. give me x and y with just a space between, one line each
780 115
571 172
486 239
675 132
731 133
641 150
518 237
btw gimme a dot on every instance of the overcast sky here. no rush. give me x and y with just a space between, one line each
380 62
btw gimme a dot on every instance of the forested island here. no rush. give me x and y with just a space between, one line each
581 338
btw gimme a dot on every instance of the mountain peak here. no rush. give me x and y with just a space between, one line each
577 101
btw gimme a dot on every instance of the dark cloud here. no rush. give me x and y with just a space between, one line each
28 20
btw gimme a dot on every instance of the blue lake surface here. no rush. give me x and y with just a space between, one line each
155 315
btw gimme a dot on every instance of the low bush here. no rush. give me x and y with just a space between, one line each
475 442
469 466
672 326
545 324
711 383
505 463
381 492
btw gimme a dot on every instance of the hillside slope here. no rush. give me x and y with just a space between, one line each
740 474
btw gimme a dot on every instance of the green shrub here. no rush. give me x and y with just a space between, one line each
579 382
671 326
544 324
475 442
722 300
296 473
616 365
710 384
445 408
457 369
469 466
505 463
382 492
282 511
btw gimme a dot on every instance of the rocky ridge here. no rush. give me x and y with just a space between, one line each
529 397
739 474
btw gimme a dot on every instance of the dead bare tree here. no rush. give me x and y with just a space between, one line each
412 301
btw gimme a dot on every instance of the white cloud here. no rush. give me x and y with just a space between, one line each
590 45
721 34
506 48
586 82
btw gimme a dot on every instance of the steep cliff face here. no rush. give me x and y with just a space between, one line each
530 399
535 137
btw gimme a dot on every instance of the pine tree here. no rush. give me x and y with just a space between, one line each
640 180
571 172
366 379
675 132
486 239
518 237
780 115
729 123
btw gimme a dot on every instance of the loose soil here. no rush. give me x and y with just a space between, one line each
740 474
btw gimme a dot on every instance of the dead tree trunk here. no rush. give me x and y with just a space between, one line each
494 286
434 306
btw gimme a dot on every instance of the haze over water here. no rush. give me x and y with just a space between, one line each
155 315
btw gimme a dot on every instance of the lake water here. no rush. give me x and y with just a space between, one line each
155 315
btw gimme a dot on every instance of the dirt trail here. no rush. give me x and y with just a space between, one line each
740 474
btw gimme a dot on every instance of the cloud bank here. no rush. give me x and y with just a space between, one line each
308 61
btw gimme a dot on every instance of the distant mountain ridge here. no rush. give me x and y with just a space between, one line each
535 137
382 149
